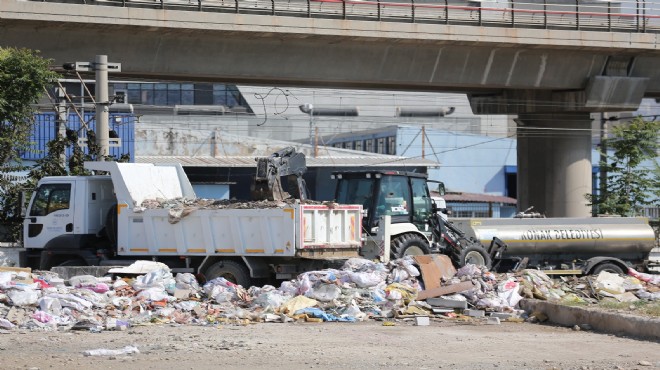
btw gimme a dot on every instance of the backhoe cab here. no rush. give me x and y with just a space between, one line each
416 225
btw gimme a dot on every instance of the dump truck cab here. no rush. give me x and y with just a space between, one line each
65 214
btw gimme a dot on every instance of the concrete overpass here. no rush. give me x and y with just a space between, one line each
549 71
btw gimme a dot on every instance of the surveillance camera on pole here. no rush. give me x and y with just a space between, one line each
101 66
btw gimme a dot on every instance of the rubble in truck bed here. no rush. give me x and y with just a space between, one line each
181 207
201 203
410 289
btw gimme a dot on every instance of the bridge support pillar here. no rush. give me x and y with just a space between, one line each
554 163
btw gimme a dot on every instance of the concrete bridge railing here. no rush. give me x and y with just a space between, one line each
608 16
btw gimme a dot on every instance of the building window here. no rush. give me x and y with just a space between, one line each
391 145
170 94
380 148
369 145
358 144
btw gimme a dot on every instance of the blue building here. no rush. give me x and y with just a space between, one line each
121 125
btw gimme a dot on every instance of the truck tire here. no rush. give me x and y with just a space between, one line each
609 267
111 224
73 262
233 271
474 254
408 244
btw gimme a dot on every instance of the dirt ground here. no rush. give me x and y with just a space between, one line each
366 345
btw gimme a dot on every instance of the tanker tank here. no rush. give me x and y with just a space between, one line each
550 242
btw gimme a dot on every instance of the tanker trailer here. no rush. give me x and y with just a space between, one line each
566 245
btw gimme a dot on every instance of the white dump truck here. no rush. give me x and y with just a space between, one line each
101 220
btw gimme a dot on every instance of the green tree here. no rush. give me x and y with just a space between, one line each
630 187
23 77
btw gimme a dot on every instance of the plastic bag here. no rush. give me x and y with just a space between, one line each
82 280
186 281
26 297
610 283
154 294
324 292
507 291
5 279
272 299
319 313
6 324
50 305
652 279
161 278
70 300
128 350
403 292
42 317
298 303
468 270
288 288
366 279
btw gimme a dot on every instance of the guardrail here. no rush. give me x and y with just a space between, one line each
605 15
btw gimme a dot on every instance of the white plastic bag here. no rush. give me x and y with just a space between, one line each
324 292
128 350
366 279
27 297
50 305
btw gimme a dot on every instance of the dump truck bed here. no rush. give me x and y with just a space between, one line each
298 230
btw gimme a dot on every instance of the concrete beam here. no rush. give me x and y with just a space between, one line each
295 51
602 94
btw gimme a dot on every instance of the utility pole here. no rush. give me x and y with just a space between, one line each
101 66
602 163
61 119
423 143
311 124
316 142
102 106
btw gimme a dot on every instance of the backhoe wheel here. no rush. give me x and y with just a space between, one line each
474 254
233 271
609 267
408 245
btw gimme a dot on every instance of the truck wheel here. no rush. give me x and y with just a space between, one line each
474 254
234 272
408 245
111 224
609 267
73 262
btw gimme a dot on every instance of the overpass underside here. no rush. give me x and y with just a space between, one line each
551 78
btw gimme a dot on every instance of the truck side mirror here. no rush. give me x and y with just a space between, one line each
22 205
441 188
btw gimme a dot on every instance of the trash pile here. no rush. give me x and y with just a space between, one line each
404 289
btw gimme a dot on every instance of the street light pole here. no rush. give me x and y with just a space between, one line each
311 124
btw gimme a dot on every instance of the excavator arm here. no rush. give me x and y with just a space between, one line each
270 170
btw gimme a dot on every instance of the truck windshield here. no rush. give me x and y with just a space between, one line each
51 198
356 191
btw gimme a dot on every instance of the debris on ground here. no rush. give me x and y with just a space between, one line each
148 293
